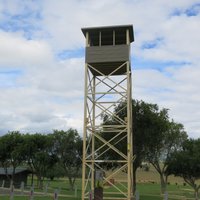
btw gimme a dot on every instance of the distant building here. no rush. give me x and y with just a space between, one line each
21 175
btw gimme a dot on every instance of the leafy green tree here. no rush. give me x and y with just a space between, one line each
68 146
148 120
154 136
162 144
39 155
186 164
12 151
55 171
4 154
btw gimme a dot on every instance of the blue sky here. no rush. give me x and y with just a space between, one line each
42 59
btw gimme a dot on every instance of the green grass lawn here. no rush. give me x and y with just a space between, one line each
147 191
150 191
148 187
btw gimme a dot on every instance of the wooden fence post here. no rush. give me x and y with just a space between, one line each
32 193
137 195
3 183
12 192
22 187
55 195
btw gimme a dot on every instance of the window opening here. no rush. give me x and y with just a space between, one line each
106 37
120 36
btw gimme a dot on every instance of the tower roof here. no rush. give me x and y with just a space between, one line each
94 30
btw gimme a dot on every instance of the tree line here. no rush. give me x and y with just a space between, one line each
157 139
46 155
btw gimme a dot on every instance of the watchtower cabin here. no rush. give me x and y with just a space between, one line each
107 86
108 47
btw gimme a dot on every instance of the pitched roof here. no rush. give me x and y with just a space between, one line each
10 170
119 27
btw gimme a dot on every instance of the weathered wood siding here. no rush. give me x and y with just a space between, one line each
102 54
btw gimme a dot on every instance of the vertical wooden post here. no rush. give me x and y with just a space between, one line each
46 188
113 37
22 187
137 195
55 196
32 193
129 124
84 132
87 40
75 191
93 131
11 192
129 112
127 37
99 38
3 183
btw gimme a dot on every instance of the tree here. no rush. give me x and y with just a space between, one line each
39 155
55 171
154 136
4 154
186 164
68 146
146 118
12 151
162 144
147 121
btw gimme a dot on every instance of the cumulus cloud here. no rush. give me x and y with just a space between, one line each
17 51
42 61
179 92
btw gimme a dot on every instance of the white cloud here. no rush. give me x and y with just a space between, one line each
178 92
48 94
32 110
66 76
17 51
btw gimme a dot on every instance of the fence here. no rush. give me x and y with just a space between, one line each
30 191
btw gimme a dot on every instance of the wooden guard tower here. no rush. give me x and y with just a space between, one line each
107 84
